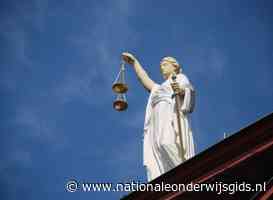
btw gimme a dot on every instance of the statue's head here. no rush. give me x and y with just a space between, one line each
168 66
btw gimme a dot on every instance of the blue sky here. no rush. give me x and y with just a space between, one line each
58 62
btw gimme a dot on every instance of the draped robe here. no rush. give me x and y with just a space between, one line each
161 144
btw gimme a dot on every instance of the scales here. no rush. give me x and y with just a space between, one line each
120 88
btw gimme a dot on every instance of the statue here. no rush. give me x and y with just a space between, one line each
168 139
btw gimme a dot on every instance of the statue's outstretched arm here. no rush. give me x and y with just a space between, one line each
142 75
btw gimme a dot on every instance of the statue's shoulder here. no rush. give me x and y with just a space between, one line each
154 88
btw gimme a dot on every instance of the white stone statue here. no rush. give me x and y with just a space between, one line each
161 145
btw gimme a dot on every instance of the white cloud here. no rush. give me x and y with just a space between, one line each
39 127
15 21
206 60
217 62
100 44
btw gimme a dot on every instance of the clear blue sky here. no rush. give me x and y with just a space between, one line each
58 62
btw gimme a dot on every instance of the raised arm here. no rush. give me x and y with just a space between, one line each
140 72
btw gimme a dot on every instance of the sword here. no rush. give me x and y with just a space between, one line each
178 106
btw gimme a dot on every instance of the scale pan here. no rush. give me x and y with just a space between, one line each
120 87
120 105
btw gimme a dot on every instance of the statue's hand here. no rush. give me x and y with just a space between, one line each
177 89
128 58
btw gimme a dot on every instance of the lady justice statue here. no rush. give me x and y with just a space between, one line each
163 146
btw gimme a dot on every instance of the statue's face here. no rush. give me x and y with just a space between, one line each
166 69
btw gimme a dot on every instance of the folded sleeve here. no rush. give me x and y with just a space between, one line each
188 99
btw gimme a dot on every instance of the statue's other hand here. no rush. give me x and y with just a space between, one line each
128 57
177 89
